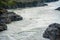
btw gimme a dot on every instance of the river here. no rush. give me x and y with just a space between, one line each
35 21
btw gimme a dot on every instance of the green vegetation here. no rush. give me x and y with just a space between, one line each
7 2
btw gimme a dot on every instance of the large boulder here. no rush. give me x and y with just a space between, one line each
3 27
52 32
58 9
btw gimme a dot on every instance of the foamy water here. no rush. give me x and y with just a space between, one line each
35 21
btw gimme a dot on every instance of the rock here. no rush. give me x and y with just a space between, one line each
11 13
7 17
52 31
8 20
5 20
14 17
3 27
3 11
45 34
3 16
58 9
45 5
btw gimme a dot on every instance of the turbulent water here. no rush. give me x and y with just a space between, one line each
35 21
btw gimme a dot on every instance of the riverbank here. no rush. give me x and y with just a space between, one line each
29 4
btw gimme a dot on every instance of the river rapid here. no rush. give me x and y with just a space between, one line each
35 21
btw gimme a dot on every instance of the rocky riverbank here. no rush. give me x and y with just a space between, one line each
28 4
24 5
7 17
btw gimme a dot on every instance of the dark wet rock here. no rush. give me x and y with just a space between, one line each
3 11
46 35
14 17
52 32
5 20
58 9
7 17
3 27
11 13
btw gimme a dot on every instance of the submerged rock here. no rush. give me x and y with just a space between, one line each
58 9
52 32
3 27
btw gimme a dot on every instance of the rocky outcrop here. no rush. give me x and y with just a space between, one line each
52 32
7 17
14 17
58 9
